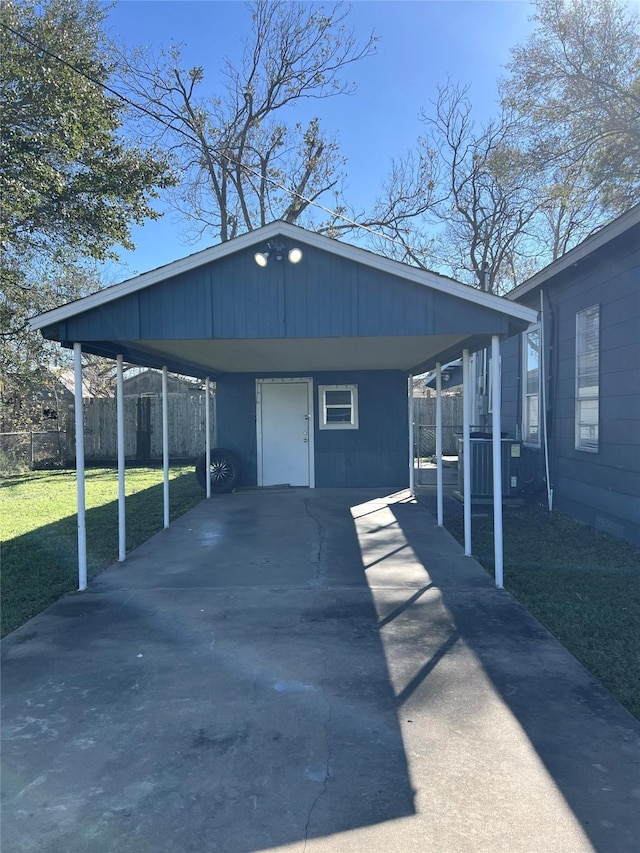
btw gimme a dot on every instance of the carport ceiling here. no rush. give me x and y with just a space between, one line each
308 354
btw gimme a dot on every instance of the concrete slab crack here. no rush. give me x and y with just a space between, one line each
318 578
327 771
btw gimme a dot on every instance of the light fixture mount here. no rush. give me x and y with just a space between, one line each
279 251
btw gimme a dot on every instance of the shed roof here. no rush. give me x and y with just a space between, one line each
341 308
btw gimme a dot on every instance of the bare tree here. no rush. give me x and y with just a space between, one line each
243 162
491 193
463 200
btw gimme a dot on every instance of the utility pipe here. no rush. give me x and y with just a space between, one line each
543 380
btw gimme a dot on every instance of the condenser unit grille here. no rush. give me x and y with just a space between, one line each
482 466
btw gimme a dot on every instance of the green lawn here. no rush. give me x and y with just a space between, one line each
583 586
39 529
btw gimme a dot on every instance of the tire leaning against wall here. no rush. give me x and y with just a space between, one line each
224 471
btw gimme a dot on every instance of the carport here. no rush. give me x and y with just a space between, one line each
312 344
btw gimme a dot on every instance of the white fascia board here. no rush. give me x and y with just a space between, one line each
294 232
578 253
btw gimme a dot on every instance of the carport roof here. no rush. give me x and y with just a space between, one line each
434 317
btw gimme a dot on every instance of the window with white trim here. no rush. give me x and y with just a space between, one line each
588 378
338 406
531 386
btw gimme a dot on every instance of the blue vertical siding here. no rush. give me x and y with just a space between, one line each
236 421
375 455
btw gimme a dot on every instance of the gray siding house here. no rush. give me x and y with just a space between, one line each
581 366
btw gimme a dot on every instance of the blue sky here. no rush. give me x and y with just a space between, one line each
421 44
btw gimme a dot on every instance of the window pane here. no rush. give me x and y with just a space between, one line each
337 415
531 427
587 386
588 411
587 377
588 362
531 389
588 436
533 360
338 398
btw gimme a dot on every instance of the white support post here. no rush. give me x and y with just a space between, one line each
207 423
122 537
439 444
466 450
165 445
79 420
497 460
412 484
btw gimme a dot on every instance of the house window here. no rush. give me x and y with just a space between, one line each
338 406
587 378
531 386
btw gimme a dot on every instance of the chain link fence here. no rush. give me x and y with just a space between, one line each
425 440
31 450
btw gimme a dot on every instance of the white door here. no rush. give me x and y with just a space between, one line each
285 432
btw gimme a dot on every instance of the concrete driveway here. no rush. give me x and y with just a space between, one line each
312 671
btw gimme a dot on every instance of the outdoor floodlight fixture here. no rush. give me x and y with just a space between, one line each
294 256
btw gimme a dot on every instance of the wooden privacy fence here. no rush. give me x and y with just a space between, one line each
143 426
424 425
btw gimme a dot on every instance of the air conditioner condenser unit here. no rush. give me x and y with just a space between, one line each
482 466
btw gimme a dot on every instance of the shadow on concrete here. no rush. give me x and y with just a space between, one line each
587 742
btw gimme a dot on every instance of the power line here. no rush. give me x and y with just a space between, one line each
209 148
